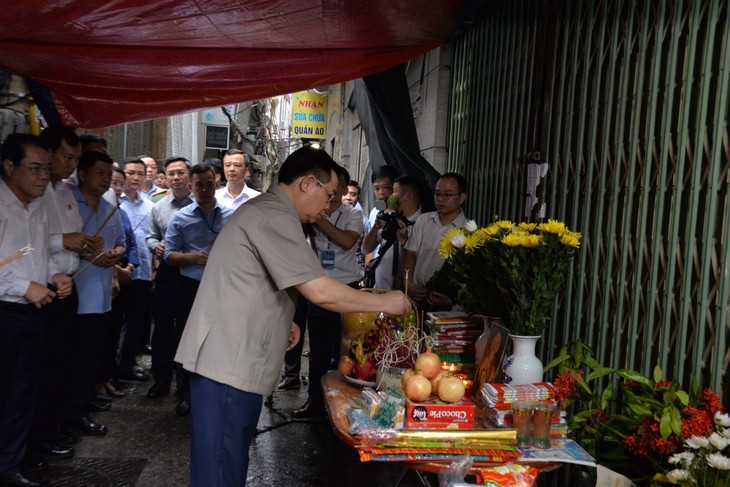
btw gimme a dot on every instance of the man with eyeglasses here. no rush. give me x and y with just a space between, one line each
241 322
167 278
421 259
236 192
138 291
24 291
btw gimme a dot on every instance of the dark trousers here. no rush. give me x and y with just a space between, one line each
186 292
94 330
293 358
138 294
20 349
222 427
324 344
163 313
59 349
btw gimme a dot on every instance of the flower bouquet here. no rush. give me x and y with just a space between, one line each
635 424
526 264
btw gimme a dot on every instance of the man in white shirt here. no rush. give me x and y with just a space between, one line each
24 290
236 192
60 340
421 259
148 188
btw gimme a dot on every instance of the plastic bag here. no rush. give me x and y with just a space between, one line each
508 475
456 471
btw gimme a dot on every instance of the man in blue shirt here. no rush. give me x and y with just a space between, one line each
139 290
188 241
94 283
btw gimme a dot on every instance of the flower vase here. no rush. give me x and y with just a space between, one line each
523 366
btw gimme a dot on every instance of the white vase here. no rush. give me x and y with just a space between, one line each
523 366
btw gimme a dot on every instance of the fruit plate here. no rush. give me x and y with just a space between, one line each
358 382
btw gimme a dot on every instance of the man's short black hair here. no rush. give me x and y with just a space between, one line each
383 172
53 136
411 184
307 160
88 159
131 160
13 149
170 160
201 169
89 138
461 183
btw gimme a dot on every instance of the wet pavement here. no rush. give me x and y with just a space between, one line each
147 445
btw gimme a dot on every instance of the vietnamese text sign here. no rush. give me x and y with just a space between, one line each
309 117
216 137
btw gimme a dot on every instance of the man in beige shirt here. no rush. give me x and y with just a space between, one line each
241 321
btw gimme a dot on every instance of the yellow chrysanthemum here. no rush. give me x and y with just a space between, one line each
571 239
553 226
492 230
527 227
446 247
504 224
514 239
531 240
472 242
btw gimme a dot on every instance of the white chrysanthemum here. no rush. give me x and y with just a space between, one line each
722 419
718 441
683 459
470 226
677 476
718 461
458 240
697 442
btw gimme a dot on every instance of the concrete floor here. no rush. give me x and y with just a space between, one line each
146 434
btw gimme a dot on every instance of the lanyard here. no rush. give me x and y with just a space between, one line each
205 220
329 243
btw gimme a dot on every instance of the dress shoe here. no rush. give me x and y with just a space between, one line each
133 374
98 407
63 437
18 480
101 398
289 382
311 409
116 393
53 451
158 389
183 407
86 426
33 462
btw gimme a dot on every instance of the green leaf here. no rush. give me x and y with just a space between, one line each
599 373
657 373
607 395
676 421
640 409
557 361
591 362
683 397
635 376
665 427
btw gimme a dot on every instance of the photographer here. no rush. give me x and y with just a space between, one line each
392 227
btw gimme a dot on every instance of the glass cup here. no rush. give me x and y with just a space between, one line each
541 416
522 418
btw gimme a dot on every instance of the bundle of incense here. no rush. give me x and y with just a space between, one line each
16 255
446 438
366 456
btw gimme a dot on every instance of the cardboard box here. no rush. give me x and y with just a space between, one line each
437 411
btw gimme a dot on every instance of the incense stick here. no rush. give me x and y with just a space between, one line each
16 255
109 217
86 265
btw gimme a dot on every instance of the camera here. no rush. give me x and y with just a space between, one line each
391 223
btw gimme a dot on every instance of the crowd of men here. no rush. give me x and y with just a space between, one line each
101 261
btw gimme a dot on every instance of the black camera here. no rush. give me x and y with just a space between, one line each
391 223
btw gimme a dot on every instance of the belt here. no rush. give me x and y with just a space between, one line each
17 307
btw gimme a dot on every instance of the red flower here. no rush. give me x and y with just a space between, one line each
664 383
566 386
696 422
710 402
633 385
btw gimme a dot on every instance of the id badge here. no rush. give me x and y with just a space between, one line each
328 259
